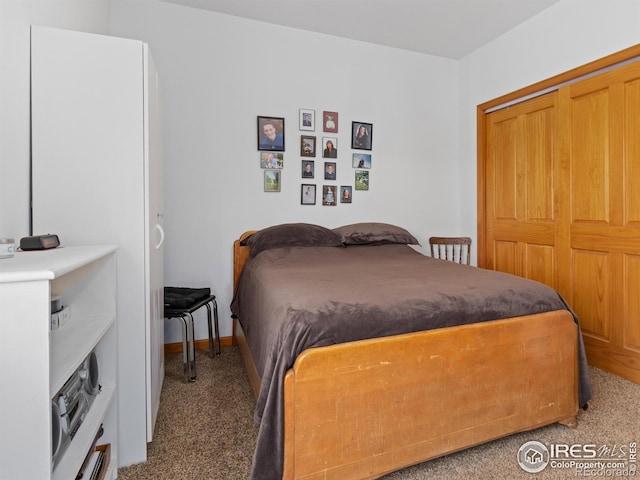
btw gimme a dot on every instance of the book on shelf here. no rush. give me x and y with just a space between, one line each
83 468
97 460
97 468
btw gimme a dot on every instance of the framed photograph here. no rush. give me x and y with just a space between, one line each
361 135
330 122
272 180
307 119
307 194
271 133
307 146
362 179
329 195
345 194
330 147
329 170
308 169
361 160
271 160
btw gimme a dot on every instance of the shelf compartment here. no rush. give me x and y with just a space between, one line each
71 343
71 461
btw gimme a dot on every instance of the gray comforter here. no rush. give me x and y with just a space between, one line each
291 299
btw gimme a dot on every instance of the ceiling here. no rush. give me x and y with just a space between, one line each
445 28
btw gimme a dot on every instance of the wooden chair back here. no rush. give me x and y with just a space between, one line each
454 249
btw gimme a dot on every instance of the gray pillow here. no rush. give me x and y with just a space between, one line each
374 233
291 235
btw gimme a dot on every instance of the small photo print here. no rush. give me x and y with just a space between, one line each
345 194
271 133
272 180
308 169
307 119
307 146
307 194
271 160
361 160
330 122
330 147
329 170
362 179
329 195
361 134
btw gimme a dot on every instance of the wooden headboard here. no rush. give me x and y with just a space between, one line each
240 256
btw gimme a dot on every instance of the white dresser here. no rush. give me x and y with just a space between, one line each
35 361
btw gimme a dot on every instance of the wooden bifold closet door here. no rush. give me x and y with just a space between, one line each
562 205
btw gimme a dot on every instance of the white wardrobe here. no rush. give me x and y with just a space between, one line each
97 179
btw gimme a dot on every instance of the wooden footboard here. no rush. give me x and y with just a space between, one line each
362 409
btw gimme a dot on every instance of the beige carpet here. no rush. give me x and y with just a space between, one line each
205 430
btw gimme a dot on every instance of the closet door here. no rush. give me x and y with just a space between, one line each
154 213
602 277
520 175
562 205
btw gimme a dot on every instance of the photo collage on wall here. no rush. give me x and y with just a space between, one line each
320 163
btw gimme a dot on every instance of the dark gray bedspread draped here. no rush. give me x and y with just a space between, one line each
291 299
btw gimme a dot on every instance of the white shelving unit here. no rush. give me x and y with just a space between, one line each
35 361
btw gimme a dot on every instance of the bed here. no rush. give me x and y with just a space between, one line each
366 356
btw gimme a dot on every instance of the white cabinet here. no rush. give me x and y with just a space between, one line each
97 178
36 362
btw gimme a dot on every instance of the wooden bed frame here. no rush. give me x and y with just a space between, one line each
362 409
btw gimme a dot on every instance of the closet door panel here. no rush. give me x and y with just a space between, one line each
631 334
607 238
604 159
592 292
538 141
154 213
590 157
540 263
504 173
632 153
506 257
521 228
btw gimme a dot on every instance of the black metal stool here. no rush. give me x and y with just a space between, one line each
182 302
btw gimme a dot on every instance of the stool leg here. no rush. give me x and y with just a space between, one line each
185 349
210 329
215 319
192 350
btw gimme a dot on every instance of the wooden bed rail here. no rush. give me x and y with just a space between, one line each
240 256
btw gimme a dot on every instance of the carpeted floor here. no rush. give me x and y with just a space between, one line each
205 430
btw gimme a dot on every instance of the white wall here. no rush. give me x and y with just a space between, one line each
567 35
15 18
219 72
14 119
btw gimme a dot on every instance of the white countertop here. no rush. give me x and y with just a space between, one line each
49 264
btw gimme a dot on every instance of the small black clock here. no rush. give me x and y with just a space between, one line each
39 242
